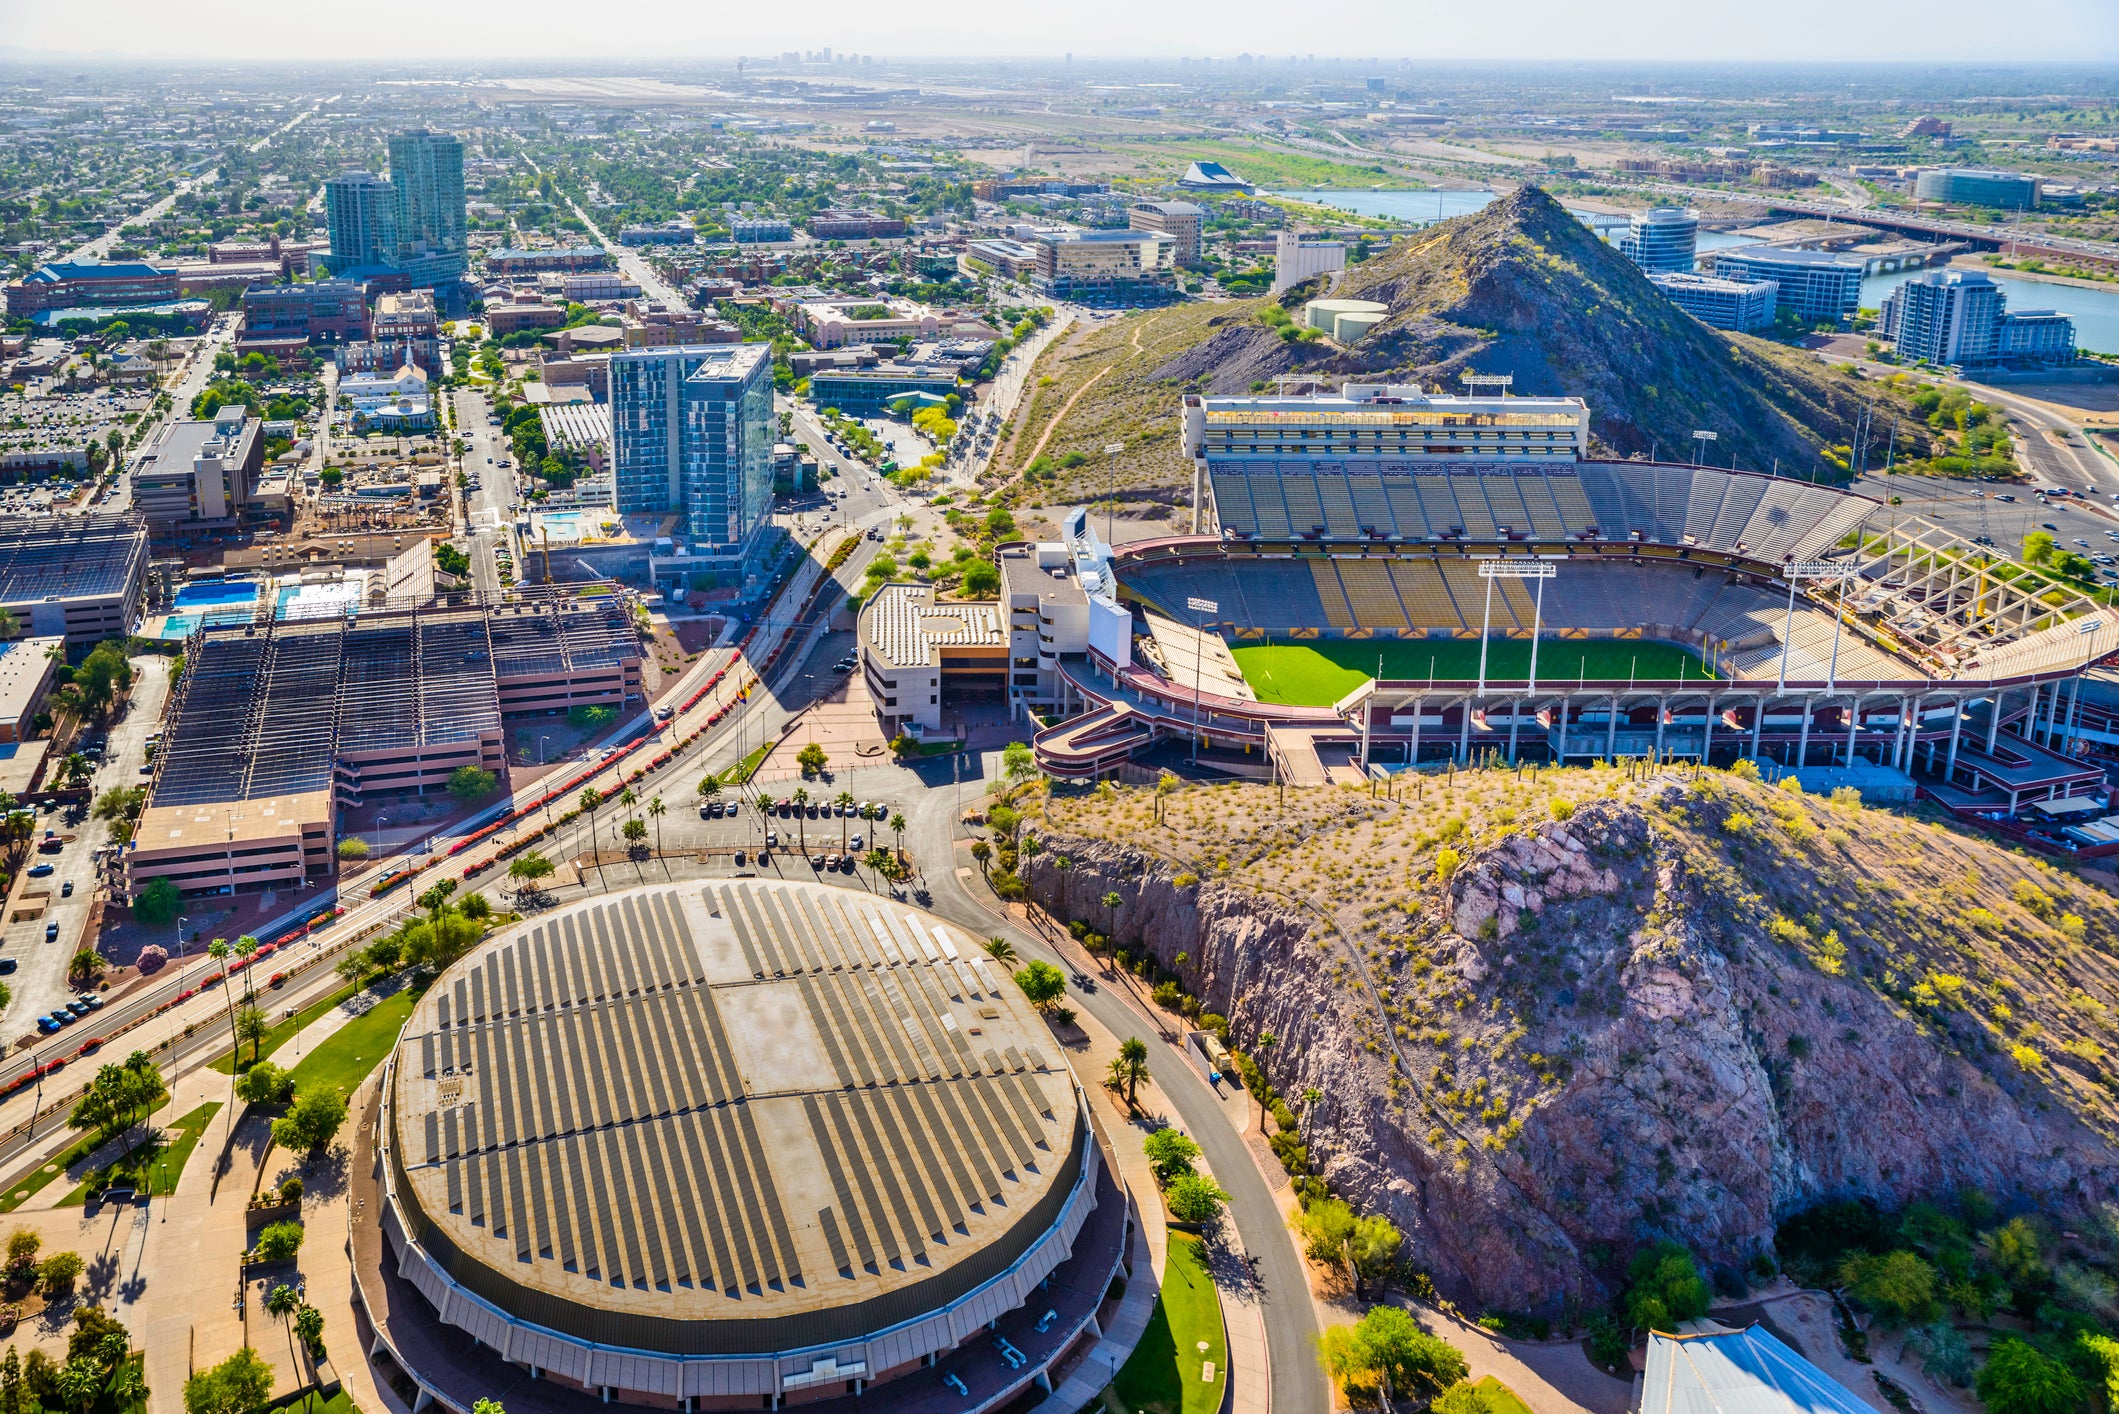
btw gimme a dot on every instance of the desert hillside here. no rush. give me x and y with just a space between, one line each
1540 1020
1521 287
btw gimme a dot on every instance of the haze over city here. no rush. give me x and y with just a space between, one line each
1088 709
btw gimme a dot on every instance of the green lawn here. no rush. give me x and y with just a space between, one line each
154 1166
283 1031
1165 1373
1503 1399
344 1058
742 771
1319 672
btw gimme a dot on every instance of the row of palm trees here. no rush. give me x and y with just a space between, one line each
633 830
710 789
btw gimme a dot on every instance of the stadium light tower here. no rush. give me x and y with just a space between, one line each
1795 572
1514 567
1699 444
1198 606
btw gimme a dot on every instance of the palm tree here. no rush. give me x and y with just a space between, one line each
628 799
1062 863
218 950
844 801
590 799
1000 950
801 798
654 812
282 1302
1130 1067
897 827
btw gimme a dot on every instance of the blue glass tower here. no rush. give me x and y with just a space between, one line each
692 431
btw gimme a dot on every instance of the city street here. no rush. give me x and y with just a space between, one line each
490 510
39 982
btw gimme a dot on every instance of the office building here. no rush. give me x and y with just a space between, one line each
692 431
881 319
512 317
2037 336
915 647
427 176
78 577
1181 221
1977 186
1817 286
321 311
759 231
1107 268
598 285
27 666
850 225
1719 303
674 232
508 260
90 284
1296 260
998 255
1661 239
200 474
360 211
1047 613
868 392
1945 316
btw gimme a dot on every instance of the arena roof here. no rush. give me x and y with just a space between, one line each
720 1119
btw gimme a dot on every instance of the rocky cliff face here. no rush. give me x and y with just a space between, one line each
1599 1032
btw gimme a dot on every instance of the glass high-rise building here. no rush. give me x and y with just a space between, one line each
427 171
360 210
692 431
1662 240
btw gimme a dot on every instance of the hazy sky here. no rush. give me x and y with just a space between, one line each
1830 30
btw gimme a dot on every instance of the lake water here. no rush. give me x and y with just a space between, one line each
2095 311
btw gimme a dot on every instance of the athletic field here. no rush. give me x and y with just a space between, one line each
1319 672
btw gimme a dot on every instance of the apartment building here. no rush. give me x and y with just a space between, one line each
692 431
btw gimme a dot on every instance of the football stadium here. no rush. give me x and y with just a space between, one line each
728 1146
1383 577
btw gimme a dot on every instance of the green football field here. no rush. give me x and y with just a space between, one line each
1319 672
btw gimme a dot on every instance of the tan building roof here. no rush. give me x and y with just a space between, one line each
908 629
25 672
727 1118
275 817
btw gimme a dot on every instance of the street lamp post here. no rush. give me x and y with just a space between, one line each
1198 606
1111 450
181 921
380 821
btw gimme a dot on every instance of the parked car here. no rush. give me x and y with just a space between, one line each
66 890
772 840
7 965
47 1025
38 871
51 931
854 841
816 862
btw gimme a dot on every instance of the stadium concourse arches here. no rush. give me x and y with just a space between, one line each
1932 661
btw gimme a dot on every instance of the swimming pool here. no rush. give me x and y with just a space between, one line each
322 600
217 593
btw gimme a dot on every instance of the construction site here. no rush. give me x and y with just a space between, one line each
278 724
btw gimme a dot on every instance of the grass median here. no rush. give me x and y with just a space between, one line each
282 1032
1166 1374
155 1166
344 1058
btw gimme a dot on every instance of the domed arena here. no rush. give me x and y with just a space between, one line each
733 1144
